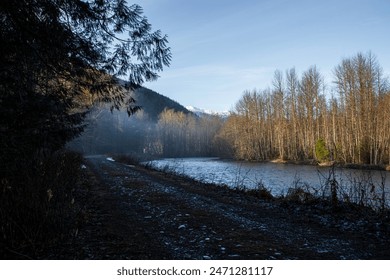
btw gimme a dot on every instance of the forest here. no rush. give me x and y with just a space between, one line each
161 128
298 119
303 118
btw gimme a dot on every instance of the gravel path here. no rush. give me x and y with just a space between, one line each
136 213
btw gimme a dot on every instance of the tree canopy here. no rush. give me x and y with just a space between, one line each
58 57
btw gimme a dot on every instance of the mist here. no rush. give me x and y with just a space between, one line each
171 134
113 132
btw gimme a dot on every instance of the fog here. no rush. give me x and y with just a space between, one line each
113 132
171 134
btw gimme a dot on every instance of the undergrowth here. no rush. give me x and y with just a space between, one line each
37 205
357 192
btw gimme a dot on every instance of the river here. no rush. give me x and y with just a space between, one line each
276 177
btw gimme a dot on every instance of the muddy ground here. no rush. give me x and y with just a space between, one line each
137 213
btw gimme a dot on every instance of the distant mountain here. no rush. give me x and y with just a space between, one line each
201 112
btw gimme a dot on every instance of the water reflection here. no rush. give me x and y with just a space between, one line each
278 178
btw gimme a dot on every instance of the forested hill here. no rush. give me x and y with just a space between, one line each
153 103
116 132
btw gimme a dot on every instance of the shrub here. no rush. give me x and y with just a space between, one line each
298 194
322 152
37 204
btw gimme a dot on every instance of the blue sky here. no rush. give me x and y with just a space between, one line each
222 47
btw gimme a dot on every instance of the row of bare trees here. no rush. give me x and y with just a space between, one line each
179 134
296 116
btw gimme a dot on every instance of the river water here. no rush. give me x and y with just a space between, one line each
276 177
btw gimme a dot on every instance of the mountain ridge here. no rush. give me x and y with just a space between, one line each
153 103
202 112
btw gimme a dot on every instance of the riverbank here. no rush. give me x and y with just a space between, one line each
380 167
139 213
311 162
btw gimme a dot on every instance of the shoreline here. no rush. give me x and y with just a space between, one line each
344 192
378 167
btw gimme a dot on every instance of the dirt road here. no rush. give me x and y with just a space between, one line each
137 213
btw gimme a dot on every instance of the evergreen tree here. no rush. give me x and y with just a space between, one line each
322 152
58 57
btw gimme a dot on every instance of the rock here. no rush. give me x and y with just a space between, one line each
278 160
326 163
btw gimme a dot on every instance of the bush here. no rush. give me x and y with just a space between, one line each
322 152
298 194
261 191
37 204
